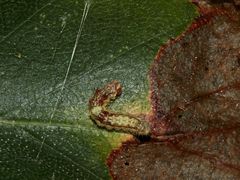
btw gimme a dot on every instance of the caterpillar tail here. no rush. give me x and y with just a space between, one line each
103 117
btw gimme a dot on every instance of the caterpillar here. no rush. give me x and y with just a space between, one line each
103 117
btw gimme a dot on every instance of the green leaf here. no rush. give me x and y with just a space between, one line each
45 129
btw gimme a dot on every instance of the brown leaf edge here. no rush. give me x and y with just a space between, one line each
114 154
206 17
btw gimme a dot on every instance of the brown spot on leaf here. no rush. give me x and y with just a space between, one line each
195 108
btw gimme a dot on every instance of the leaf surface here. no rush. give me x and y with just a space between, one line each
45 129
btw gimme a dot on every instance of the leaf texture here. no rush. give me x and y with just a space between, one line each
45 129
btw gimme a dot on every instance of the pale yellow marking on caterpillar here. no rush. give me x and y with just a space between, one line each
112 120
